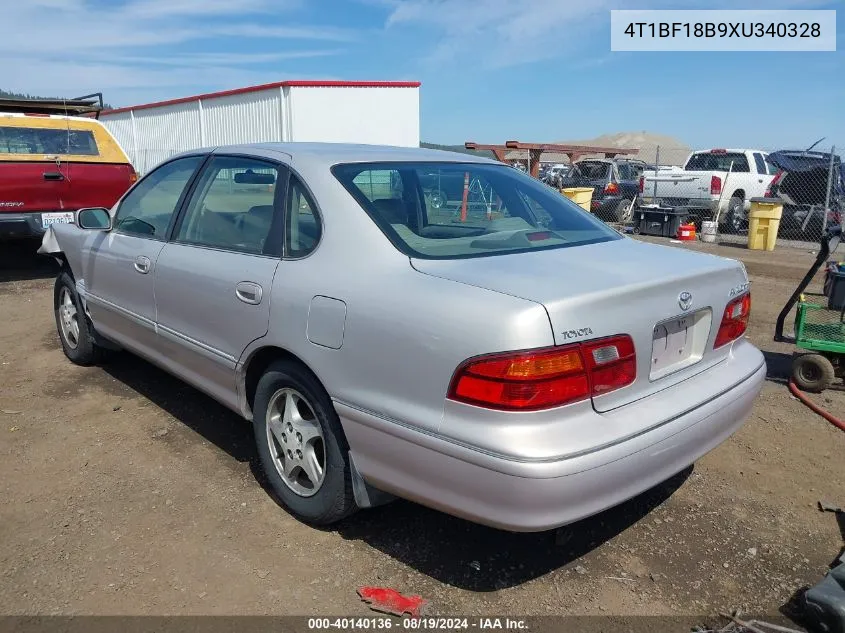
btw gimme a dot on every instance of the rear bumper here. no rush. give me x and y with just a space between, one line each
605 205
537 495
20 225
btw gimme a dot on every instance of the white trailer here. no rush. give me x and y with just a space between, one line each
371 112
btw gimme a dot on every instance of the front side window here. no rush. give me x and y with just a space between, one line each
32 140
455 210
146 211
232 207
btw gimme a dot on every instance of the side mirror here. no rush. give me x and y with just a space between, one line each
95 219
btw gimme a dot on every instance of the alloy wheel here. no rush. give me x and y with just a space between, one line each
296 442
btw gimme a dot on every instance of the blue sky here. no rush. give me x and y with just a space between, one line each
491 70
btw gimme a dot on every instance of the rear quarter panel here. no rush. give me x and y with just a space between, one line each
405 333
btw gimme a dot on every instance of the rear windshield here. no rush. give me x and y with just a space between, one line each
30 140
708 161
456 210
590 170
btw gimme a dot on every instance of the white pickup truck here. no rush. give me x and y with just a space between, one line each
711 180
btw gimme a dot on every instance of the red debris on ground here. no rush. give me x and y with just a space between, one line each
387 600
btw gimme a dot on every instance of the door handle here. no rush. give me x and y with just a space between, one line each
53 175
142 264
249 292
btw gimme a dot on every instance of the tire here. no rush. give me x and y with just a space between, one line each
75 330
736 219
624 211
812 372
320 503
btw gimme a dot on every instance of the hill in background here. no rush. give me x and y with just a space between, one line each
672 151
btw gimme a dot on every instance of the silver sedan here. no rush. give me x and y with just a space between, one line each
415 323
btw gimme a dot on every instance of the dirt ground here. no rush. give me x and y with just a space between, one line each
127 492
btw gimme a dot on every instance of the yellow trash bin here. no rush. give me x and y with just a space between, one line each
763 223
582 196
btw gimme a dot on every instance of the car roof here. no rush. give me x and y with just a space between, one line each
334 153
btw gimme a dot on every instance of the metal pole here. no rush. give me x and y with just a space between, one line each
656 174
829 187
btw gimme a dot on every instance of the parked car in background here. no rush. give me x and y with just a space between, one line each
52 165
803 182
713 182
522 369
554 173
615 183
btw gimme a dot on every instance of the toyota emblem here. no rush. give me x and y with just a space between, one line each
685 300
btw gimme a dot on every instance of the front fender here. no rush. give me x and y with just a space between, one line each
67 244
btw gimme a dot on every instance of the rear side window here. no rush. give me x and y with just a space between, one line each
709 161
232 207
31 140
456 210
302 224
760 163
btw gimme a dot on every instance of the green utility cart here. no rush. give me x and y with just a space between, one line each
819 326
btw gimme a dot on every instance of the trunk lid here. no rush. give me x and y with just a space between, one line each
25 189
36 187
619 287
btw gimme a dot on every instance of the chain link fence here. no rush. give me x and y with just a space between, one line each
717 190
725 193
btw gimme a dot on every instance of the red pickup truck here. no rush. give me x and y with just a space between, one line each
52 165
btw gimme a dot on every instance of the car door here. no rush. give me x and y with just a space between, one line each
763 178
213 279
120 272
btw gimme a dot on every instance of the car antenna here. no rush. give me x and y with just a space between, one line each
67 141
814 144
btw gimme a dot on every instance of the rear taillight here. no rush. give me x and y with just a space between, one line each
642 184
545 378
734 320
778 177
611 188
611 363
715 185
133 175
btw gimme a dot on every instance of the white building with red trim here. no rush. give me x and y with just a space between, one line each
371 112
